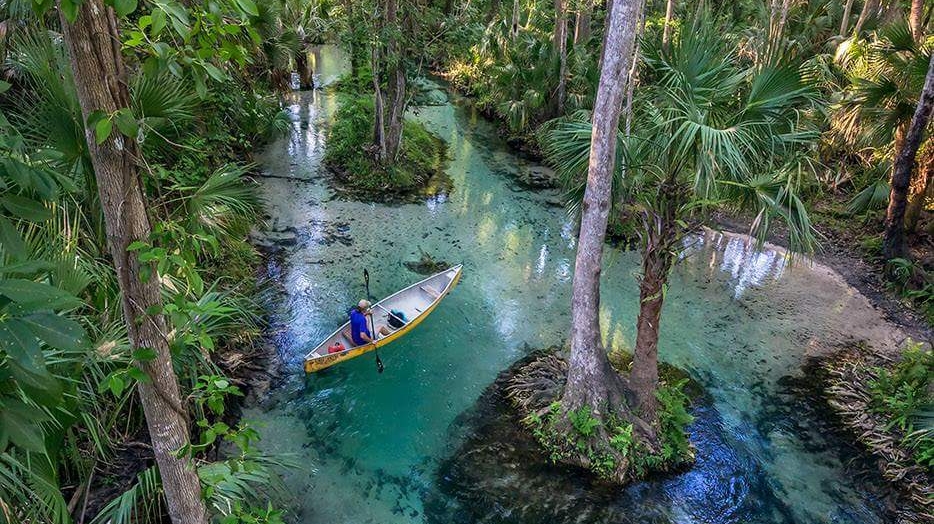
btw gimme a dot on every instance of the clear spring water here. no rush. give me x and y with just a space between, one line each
368 444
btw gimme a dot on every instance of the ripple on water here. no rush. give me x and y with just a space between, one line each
374 447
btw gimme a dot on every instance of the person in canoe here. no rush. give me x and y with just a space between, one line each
359 325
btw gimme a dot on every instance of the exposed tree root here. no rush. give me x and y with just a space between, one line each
616 445
848 391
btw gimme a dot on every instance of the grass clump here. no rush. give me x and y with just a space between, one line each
353 159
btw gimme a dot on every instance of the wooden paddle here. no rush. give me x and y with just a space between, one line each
373 335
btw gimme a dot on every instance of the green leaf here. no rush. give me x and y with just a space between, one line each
138 374
124 7
29 267
4 86
26 208
40 7
70 9
56 331
126 123
17 341
116 385
19 423
19 172
35 295
248 7
214 72
158 22
144 354
11 241
102 130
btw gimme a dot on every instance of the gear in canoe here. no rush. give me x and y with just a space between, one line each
390 318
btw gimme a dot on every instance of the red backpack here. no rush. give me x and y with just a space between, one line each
336 348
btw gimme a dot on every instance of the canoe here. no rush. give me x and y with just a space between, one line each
416 302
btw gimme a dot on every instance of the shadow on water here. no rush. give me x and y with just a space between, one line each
397 446
499 475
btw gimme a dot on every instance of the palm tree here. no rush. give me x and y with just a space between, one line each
707 128
884 77
894 241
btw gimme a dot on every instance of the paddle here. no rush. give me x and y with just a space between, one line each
366 279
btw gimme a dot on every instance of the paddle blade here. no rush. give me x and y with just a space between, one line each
379 364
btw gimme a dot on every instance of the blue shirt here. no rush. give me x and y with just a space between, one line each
358 326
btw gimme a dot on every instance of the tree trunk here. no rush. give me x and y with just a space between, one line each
304 69
560 43
582 23
914 19
657 259
515 18
868 7
389 107
379 114
93 46
591 380
395 83
920 187
493 12
845 21
352 42
632 80
666 32
894 245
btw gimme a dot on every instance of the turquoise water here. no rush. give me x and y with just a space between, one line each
369 444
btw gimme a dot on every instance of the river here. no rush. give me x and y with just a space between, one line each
368 445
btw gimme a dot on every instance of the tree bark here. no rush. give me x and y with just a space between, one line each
304 69
390 107
395 85
493 12
93 46
582 22
515 18
920 187
657 258
868 7
352 41
591 380
894 245
845 21
914 19
666 32
560 43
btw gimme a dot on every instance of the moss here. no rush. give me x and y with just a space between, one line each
423 154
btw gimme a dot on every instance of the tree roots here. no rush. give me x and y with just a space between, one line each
848 392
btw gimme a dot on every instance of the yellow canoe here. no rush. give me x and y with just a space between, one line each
416 302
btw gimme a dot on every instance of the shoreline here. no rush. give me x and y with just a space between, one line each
851 269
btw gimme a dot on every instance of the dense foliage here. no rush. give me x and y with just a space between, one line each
72 439
903 394
865 69
422 154
780 110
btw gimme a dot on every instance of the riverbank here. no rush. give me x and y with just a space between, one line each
843 376
853 266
